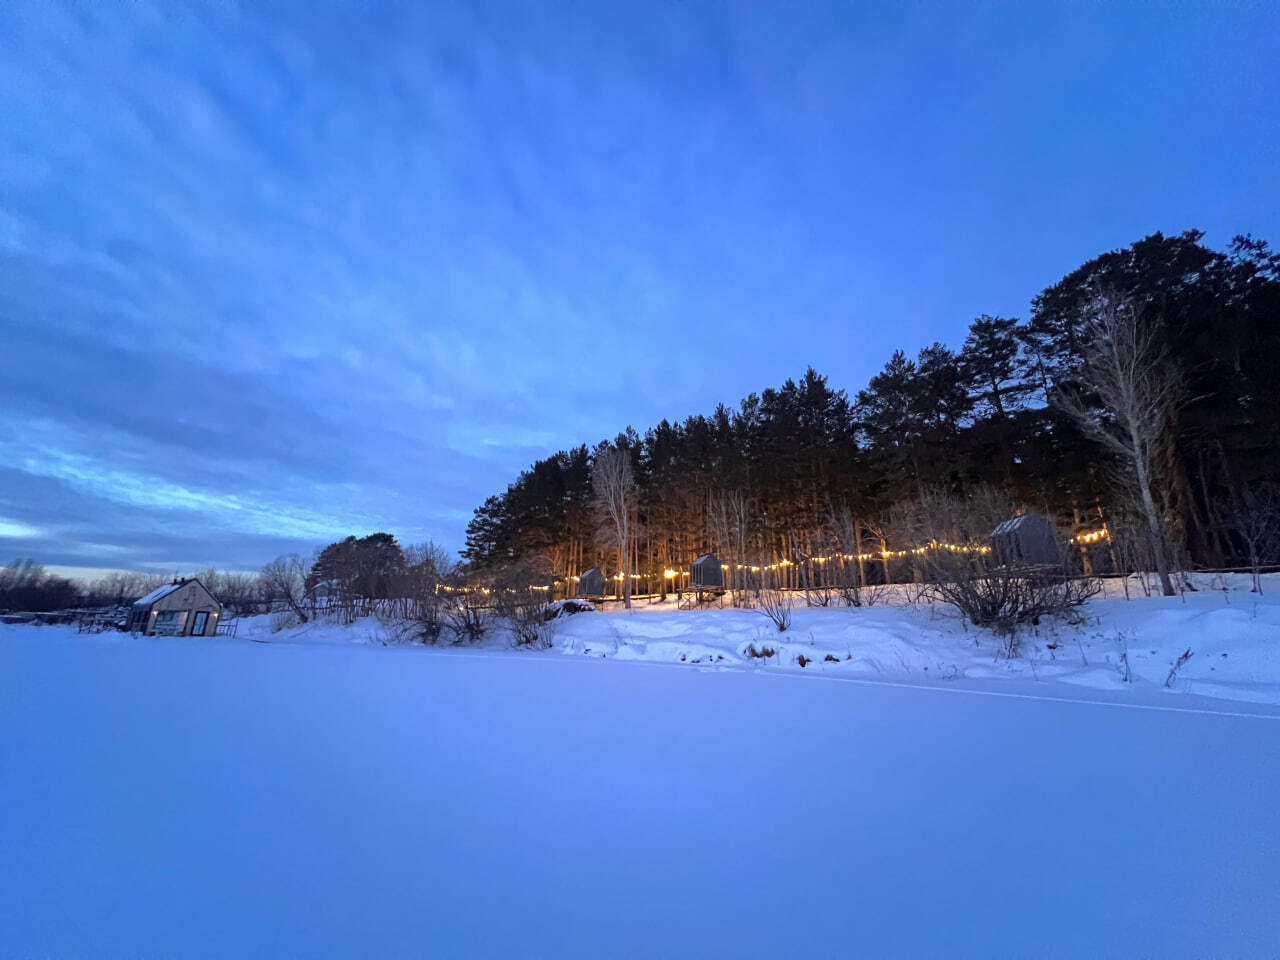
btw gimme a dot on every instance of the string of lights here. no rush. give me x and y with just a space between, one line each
1092 536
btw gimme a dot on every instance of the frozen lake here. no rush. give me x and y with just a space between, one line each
202 798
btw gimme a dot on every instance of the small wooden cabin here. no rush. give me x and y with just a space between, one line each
183 608
1026 540
705 573
591 583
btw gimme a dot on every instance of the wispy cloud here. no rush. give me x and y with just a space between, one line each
15 530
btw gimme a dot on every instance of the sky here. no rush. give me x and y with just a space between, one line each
272 274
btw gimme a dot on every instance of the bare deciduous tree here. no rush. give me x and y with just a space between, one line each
614 487
283 579
1126 390
1256 512
729 525
426 567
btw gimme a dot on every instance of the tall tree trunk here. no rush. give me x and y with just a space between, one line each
1154 531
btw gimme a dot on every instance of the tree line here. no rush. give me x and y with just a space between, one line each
355 576
1140 397
1137 406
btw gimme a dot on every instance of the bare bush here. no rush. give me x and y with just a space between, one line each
776 605
1003 599
870 595
428 619
467 616
426 567
525 613
819 596
519 595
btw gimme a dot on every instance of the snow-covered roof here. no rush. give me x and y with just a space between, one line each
1013 523
157 593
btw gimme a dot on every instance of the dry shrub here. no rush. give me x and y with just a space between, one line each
1003 599
1177 665
760 653
467 618
520 600
428 621
819 596
526 617
776 605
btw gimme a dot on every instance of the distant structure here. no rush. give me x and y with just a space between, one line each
705 573
591 583
1025 540
183 608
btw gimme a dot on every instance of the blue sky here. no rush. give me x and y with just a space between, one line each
271 273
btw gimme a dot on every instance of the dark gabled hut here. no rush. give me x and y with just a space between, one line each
705 573
591 583
1026 540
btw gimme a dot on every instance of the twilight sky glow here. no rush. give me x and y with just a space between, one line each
272 277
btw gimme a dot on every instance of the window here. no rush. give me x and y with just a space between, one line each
197 625
169 623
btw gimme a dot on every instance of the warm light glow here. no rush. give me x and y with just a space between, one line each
669 574
1092 536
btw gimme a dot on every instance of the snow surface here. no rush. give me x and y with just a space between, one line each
1233 633
323 795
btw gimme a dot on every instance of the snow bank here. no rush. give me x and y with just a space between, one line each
1126 646
1125 649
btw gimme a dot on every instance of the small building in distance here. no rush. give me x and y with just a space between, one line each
183 608
705 573
591 583
1026 540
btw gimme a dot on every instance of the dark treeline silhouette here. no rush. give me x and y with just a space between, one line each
26 585
1029 409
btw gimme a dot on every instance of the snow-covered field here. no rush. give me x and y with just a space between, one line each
323 795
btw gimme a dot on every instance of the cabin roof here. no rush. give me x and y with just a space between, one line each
1016 523
157 594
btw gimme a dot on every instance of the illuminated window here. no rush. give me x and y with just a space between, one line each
169 623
